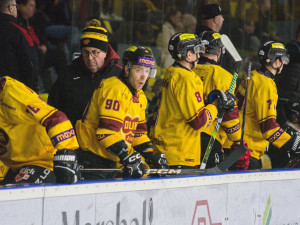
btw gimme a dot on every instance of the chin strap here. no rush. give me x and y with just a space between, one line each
193 63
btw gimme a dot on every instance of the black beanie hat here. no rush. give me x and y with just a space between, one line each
94 36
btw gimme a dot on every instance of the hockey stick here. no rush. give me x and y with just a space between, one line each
217 127
230 48
154 171
241 150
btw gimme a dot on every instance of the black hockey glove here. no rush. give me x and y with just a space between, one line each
292 146
158 161
65 166
133 165
225 100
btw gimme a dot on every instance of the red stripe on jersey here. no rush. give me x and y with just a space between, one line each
110 124
199 120
26 35
234 114
268 125
141 127
54 119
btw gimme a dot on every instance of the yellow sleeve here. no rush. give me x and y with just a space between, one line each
26 107
265 101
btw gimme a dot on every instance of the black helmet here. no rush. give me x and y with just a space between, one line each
181 43
271 51
138 55
212 42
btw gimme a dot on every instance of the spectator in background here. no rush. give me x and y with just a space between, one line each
172 22
25 19
189 23
17 53
211 18
72 91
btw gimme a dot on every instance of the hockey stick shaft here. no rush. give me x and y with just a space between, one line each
215 132
155 171
239 151
246 100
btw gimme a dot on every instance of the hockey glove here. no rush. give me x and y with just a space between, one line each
158 161
243 162
225 100
133 165
292 146
65 166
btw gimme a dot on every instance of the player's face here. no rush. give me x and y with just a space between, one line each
138 76
93 58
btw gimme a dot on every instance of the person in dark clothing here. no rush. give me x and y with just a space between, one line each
97 61
25 19
18 57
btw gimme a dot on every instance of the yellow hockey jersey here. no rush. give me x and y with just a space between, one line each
180 117
30 130
113 114
261 126
215 77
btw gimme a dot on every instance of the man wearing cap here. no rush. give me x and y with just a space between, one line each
72 91
211 18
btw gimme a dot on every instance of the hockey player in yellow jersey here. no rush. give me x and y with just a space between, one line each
37 141
181 114
215 77
261 126
114 122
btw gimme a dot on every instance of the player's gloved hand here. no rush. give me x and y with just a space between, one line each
133 165
225 100
65 166
158 161
243 162
292 146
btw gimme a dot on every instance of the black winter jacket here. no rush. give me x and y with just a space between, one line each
74 89
18 57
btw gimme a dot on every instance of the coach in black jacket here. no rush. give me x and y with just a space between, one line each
97 61
18 58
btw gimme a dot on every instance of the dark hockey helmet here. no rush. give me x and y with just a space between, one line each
181 43
292 109
138 55
271 51
212 42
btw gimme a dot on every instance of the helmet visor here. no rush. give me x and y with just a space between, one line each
285 59
199 49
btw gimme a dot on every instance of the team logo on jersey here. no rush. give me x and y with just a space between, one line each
62 136
275 136
129 127
233 129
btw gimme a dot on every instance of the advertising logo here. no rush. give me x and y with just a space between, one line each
202 214
267 212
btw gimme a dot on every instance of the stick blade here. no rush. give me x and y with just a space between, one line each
232 158
230 48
